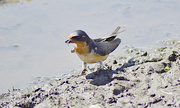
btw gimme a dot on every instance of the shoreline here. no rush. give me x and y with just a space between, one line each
137 79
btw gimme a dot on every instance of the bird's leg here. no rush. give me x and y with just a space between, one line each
84 68
100 65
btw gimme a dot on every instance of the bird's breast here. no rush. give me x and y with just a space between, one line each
81 48
91 57
86 55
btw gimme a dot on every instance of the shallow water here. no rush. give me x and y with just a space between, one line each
32 34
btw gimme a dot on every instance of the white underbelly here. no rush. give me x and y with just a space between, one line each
91 57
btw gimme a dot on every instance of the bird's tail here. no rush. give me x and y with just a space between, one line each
115 32
111 37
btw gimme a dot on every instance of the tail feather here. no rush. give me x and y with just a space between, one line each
111 37
116 30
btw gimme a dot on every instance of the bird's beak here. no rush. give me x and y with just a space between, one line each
69 41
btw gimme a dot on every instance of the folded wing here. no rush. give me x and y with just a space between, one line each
106 47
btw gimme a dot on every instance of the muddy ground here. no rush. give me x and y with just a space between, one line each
137 79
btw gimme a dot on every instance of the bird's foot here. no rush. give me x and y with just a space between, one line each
84 72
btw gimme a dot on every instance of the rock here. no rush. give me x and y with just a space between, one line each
173 56
115 62
145 54
158 67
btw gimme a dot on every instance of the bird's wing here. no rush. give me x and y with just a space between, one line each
106 47
109 38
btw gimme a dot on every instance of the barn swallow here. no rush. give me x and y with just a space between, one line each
93 50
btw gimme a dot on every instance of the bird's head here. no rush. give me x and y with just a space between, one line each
78 36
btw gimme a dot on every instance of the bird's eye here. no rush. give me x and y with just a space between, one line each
74 37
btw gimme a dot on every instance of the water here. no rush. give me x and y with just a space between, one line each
32 34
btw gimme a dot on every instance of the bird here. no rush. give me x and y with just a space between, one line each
93 50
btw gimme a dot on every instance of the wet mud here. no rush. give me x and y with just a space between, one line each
139 78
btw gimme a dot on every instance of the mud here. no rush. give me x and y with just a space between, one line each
137 79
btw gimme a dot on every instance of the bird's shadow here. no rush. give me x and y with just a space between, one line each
103 77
